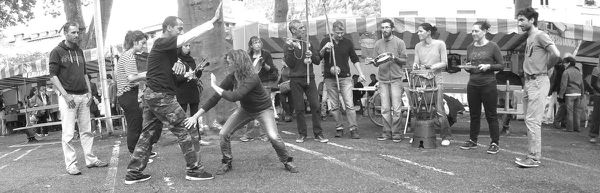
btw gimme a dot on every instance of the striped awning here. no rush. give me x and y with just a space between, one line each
454 31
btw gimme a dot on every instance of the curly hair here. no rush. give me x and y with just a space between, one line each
242 65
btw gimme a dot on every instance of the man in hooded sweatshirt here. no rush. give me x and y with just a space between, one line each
68 75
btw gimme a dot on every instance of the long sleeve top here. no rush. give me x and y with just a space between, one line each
250 93
571 82
486 54
294 58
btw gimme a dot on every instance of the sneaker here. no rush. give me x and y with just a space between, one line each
300 139
287 119
264 138
73 170
321 139
153 154
493 149
469 145
397 138
32 140
196 176
384 137
97 164
245 139
150 161
592 140
354 134
130 179
445 142
527 163
226 167
339 132
290 167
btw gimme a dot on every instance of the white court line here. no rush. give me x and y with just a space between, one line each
34 144
112 171
417 164
169 182
2 167
287 132
338 145
27 152
360 170
9 153
546 158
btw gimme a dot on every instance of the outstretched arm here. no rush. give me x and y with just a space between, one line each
199 30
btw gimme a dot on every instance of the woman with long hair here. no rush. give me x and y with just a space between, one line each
431 54
128 87
243 85
484 57
268 74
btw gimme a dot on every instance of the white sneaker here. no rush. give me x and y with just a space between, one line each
205 143
445 142
150 161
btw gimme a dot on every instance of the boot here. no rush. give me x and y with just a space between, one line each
289 166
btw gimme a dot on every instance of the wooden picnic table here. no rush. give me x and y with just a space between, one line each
54 106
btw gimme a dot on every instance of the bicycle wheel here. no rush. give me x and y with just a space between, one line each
374 109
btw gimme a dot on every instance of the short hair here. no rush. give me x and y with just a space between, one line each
338 24
169 21
292 24
133 36
66 26
108 76
372 75
483 25
570 60
388 21
529 13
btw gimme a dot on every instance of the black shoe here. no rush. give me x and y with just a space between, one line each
493 149
195 176
131 179
469 145
225 167
290 167
287 119
32 140
339 132
321 139
354 134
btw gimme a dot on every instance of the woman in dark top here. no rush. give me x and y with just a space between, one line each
187 89
485 57
243 85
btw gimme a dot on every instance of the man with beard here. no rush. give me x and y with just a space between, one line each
300 58
343 49
539 53
390 80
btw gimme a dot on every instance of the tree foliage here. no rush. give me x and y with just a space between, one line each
296 8
13 12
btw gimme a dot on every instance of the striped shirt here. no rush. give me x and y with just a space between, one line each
125 67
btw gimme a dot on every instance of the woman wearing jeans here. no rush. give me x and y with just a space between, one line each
243 85
485 57
127 78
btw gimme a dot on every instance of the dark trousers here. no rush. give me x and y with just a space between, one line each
573 104
488 96
595 125
43 118
286 103
162 109
560 115
299 88
133 115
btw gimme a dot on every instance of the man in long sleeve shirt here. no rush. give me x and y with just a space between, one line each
571 89
300 58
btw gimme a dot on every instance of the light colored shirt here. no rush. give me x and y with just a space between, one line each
433 53
536 55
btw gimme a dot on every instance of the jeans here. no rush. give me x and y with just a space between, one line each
241 117
286 103
573 120
559 117
595 125
161 109
445 132
536 91
133 115
488 96
299 89
391 105
346 91
81 115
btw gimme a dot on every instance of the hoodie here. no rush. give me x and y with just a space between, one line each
68 64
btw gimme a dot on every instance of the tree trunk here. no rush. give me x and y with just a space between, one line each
211 46
73 13
281 11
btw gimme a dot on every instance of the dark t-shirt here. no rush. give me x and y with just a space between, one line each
160 63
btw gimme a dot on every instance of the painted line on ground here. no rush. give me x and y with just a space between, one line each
287 132
27 152
417 164
360 170
9 153
341 146
112 171
169 182
4 166
34 144
546 158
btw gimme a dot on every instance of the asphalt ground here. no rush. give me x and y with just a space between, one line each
570 164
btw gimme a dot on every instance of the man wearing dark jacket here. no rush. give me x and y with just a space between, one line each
300 58
571 90
559 117
68 74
